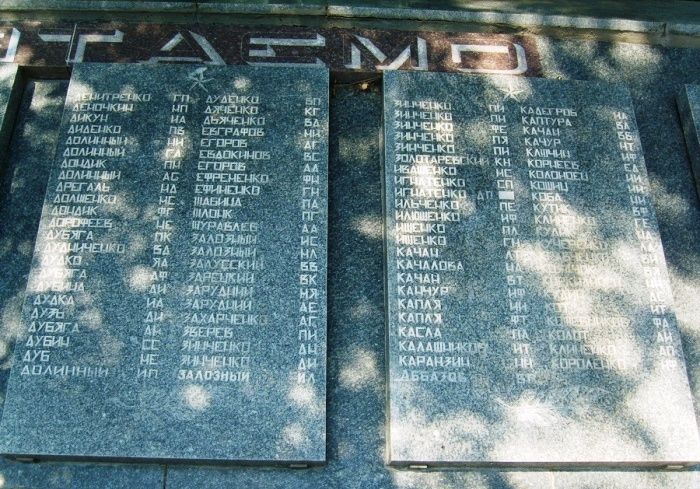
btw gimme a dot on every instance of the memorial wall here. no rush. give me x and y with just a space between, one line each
486 279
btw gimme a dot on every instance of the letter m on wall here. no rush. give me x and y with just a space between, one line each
364 53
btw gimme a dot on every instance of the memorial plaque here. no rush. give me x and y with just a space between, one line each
176 306
689 107
530 317
9 97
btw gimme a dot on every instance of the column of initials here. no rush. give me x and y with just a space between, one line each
161 252
309 244
651 253
521 360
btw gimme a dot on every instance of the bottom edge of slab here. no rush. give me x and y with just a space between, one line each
125 459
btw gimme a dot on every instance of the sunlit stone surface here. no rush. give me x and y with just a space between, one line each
689 107
530 316
176 307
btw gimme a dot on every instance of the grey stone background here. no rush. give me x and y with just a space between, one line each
356 406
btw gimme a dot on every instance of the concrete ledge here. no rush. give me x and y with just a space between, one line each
682 18
684 29
310 8
527 20
96 6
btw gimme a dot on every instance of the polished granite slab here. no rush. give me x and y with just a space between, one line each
176 304
528 299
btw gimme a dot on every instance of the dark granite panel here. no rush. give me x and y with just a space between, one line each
176 304
348 52
689 107
528 299
9 98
